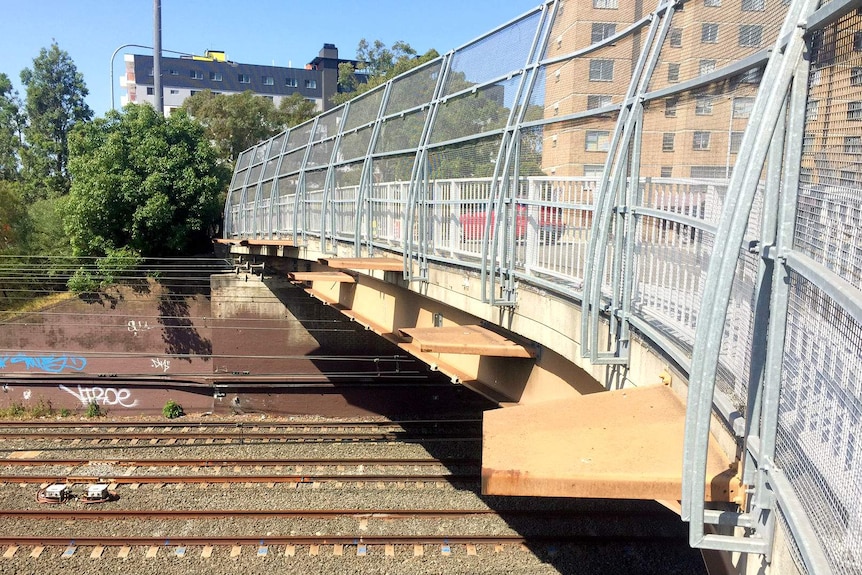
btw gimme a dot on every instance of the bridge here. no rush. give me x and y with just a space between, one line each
637 231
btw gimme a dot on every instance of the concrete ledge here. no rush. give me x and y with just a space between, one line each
384 264
623 444
466 339
339 277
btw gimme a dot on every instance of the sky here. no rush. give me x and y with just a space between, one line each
279 32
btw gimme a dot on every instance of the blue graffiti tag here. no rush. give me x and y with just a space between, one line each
49 363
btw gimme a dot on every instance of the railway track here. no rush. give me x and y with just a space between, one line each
210 432
219 491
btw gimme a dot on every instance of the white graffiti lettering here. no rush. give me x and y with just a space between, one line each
27 394
102 396
163 364
136 326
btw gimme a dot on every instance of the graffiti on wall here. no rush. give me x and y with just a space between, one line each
163 364
48 363
136 326
106 396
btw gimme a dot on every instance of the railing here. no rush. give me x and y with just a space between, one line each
692 175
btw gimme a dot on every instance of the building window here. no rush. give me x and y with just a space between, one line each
602 30
703 106
742 106
670 107
151 72
706 67
751 77
193 92
606 4
311 84
196 75
598 141
853 145
807 143
268 80
150 91
712 3
601 70
675 37
215 76
666 171
174 72
750 35
709 33
291 83
270 98
593 170
753 5
700 141
857 41
598 101
854 110
735 142
673 72
667 142
812 110
856 76
174 92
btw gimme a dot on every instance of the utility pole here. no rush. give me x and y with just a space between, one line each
157 56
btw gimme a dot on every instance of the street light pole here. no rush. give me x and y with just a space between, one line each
157 56
114 55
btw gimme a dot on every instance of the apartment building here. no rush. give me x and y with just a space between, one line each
183 77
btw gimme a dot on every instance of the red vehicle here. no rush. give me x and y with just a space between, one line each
550 223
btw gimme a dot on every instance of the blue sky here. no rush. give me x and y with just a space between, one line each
283 32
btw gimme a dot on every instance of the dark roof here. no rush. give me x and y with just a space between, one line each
179 73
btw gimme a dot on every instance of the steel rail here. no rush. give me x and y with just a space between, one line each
292 478
241 425
284 437
264 540
238 462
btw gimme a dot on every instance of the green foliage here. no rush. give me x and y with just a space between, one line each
145 182
295 109
41 409
172 410
94 409
82 281
54 105
11 124
236 122
65 412
13 216
45 233
116 264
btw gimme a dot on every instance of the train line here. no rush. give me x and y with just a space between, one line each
361 431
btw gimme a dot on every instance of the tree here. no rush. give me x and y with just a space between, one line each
54 105
13 216
295 110
143 181
379 64
11 123
236 122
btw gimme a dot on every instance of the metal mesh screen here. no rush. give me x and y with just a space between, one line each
829 217
819 424
413 89
707 36
364 109
494 56
481 110
401 132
